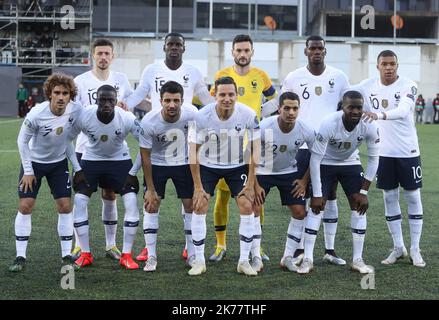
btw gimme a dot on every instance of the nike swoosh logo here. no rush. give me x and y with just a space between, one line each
90 90
417 181
373 95
303 84
157 78
68 187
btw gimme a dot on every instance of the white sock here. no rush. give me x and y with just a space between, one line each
183 213
256 243
358 225
80 221
330 221
312 226
198 227
246 233
415 215
76 234
301 244
23 227
151 227
295 231
131 221
109 217
393 216
65 232
188 234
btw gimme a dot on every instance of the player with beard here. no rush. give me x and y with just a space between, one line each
155 75
253 85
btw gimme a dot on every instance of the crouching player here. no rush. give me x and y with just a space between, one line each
335 156
43 143
163 146
281 138
106 162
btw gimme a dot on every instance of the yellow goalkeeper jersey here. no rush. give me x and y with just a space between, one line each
251 87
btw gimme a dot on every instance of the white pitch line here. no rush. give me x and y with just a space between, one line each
10 121
8 151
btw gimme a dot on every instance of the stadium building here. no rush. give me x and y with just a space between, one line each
38 37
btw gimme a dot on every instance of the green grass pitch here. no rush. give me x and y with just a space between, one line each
106 280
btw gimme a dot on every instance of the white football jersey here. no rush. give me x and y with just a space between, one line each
44 136
339 146
106 142
336 146
88 85
223 141
319 95
279 149
167 141
398 136
155 75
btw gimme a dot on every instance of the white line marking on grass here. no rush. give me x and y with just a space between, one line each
10 121
8 151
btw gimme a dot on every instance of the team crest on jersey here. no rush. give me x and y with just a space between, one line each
238 127
283 148
347 145
298 142
116 86
360 138
254 85
117 132
385 103
27 123
319 137
104 138
186 78
59 130
331 85
397 96
71 120
241 91
318 90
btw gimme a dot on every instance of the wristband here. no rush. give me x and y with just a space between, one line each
362 191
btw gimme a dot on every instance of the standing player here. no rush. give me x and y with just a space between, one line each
43 144
392 102
335 157
320 88
218 147
155 75
281 137
88 84
106 162
253 84
163 146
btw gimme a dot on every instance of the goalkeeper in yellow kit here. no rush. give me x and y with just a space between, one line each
253 84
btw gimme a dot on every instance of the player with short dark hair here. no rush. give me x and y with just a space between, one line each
155 75
163 146
335 157
281 138
88 84
217 151
391 101
253 85
106 163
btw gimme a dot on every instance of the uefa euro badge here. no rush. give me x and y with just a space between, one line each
347 145
283 148
104 138
241 91
318 90
385 103
58 131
